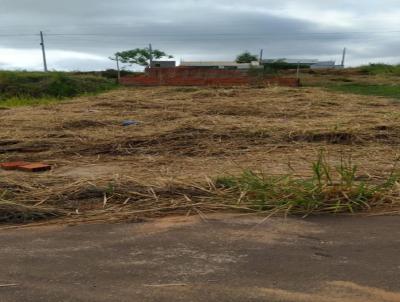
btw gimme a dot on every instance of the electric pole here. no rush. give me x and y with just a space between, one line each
344 57
298 71
43 52
261 55
118 70
151 55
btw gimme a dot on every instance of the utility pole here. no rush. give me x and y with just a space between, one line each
298 71
344 56
43 52
261 55
151 55
118 70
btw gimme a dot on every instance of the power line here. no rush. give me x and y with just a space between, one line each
56 39
161 34
18 35
222 34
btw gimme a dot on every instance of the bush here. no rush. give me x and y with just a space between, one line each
54 84
113 73
385 69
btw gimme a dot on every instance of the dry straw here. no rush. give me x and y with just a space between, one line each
105 171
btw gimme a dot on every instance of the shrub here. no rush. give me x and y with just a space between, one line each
54 84
384 69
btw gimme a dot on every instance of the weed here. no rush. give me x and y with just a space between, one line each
329 190
369 89
19 102
384 69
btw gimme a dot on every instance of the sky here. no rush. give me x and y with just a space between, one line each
83 34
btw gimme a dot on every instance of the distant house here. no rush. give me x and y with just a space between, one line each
307 62
304 63
163 64
324 64
222 65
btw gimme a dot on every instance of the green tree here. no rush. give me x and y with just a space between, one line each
246 57
140 56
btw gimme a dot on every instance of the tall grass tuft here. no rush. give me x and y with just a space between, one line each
331 189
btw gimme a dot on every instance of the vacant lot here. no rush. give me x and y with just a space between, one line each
186 138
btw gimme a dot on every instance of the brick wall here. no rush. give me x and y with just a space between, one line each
194 76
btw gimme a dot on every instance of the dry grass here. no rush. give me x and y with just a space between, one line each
185 138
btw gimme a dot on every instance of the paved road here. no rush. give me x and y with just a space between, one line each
222 258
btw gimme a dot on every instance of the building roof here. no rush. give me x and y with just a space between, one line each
291 61
218 63
164 61
161 63
325 63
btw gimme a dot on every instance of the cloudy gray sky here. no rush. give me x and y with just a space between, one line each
81 34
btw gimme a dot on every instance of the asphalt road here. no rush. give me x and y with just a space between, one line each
215 258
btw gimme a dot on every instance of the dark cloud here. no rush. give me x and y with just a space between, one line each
201 29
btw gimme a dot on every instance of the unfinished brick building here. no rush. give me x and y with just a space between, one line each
199 76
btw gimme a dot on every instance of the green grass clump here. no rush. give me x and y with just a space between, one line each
329 190
381 69
19 102
385 90
52 85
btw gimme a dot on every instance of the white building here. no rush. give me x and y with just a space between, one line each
312 63
222 64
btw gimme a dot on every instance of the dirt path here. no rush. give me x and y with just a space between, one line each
218 258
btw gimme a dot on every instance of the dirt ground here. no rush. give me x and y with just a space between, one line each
213 258
189 135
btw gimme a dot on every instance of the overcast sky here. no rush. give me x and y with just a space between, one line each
82 34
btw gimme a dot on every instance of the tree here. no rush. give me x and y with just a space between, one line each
246 57
140 56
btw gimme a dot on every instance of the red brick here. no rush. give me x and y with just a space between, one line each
13 165
35 167
192 76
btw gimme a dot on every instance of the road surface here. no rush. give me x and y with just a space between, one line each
214 258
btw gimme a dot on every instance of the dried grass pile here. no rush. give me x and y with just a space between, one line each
103 170
330 190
